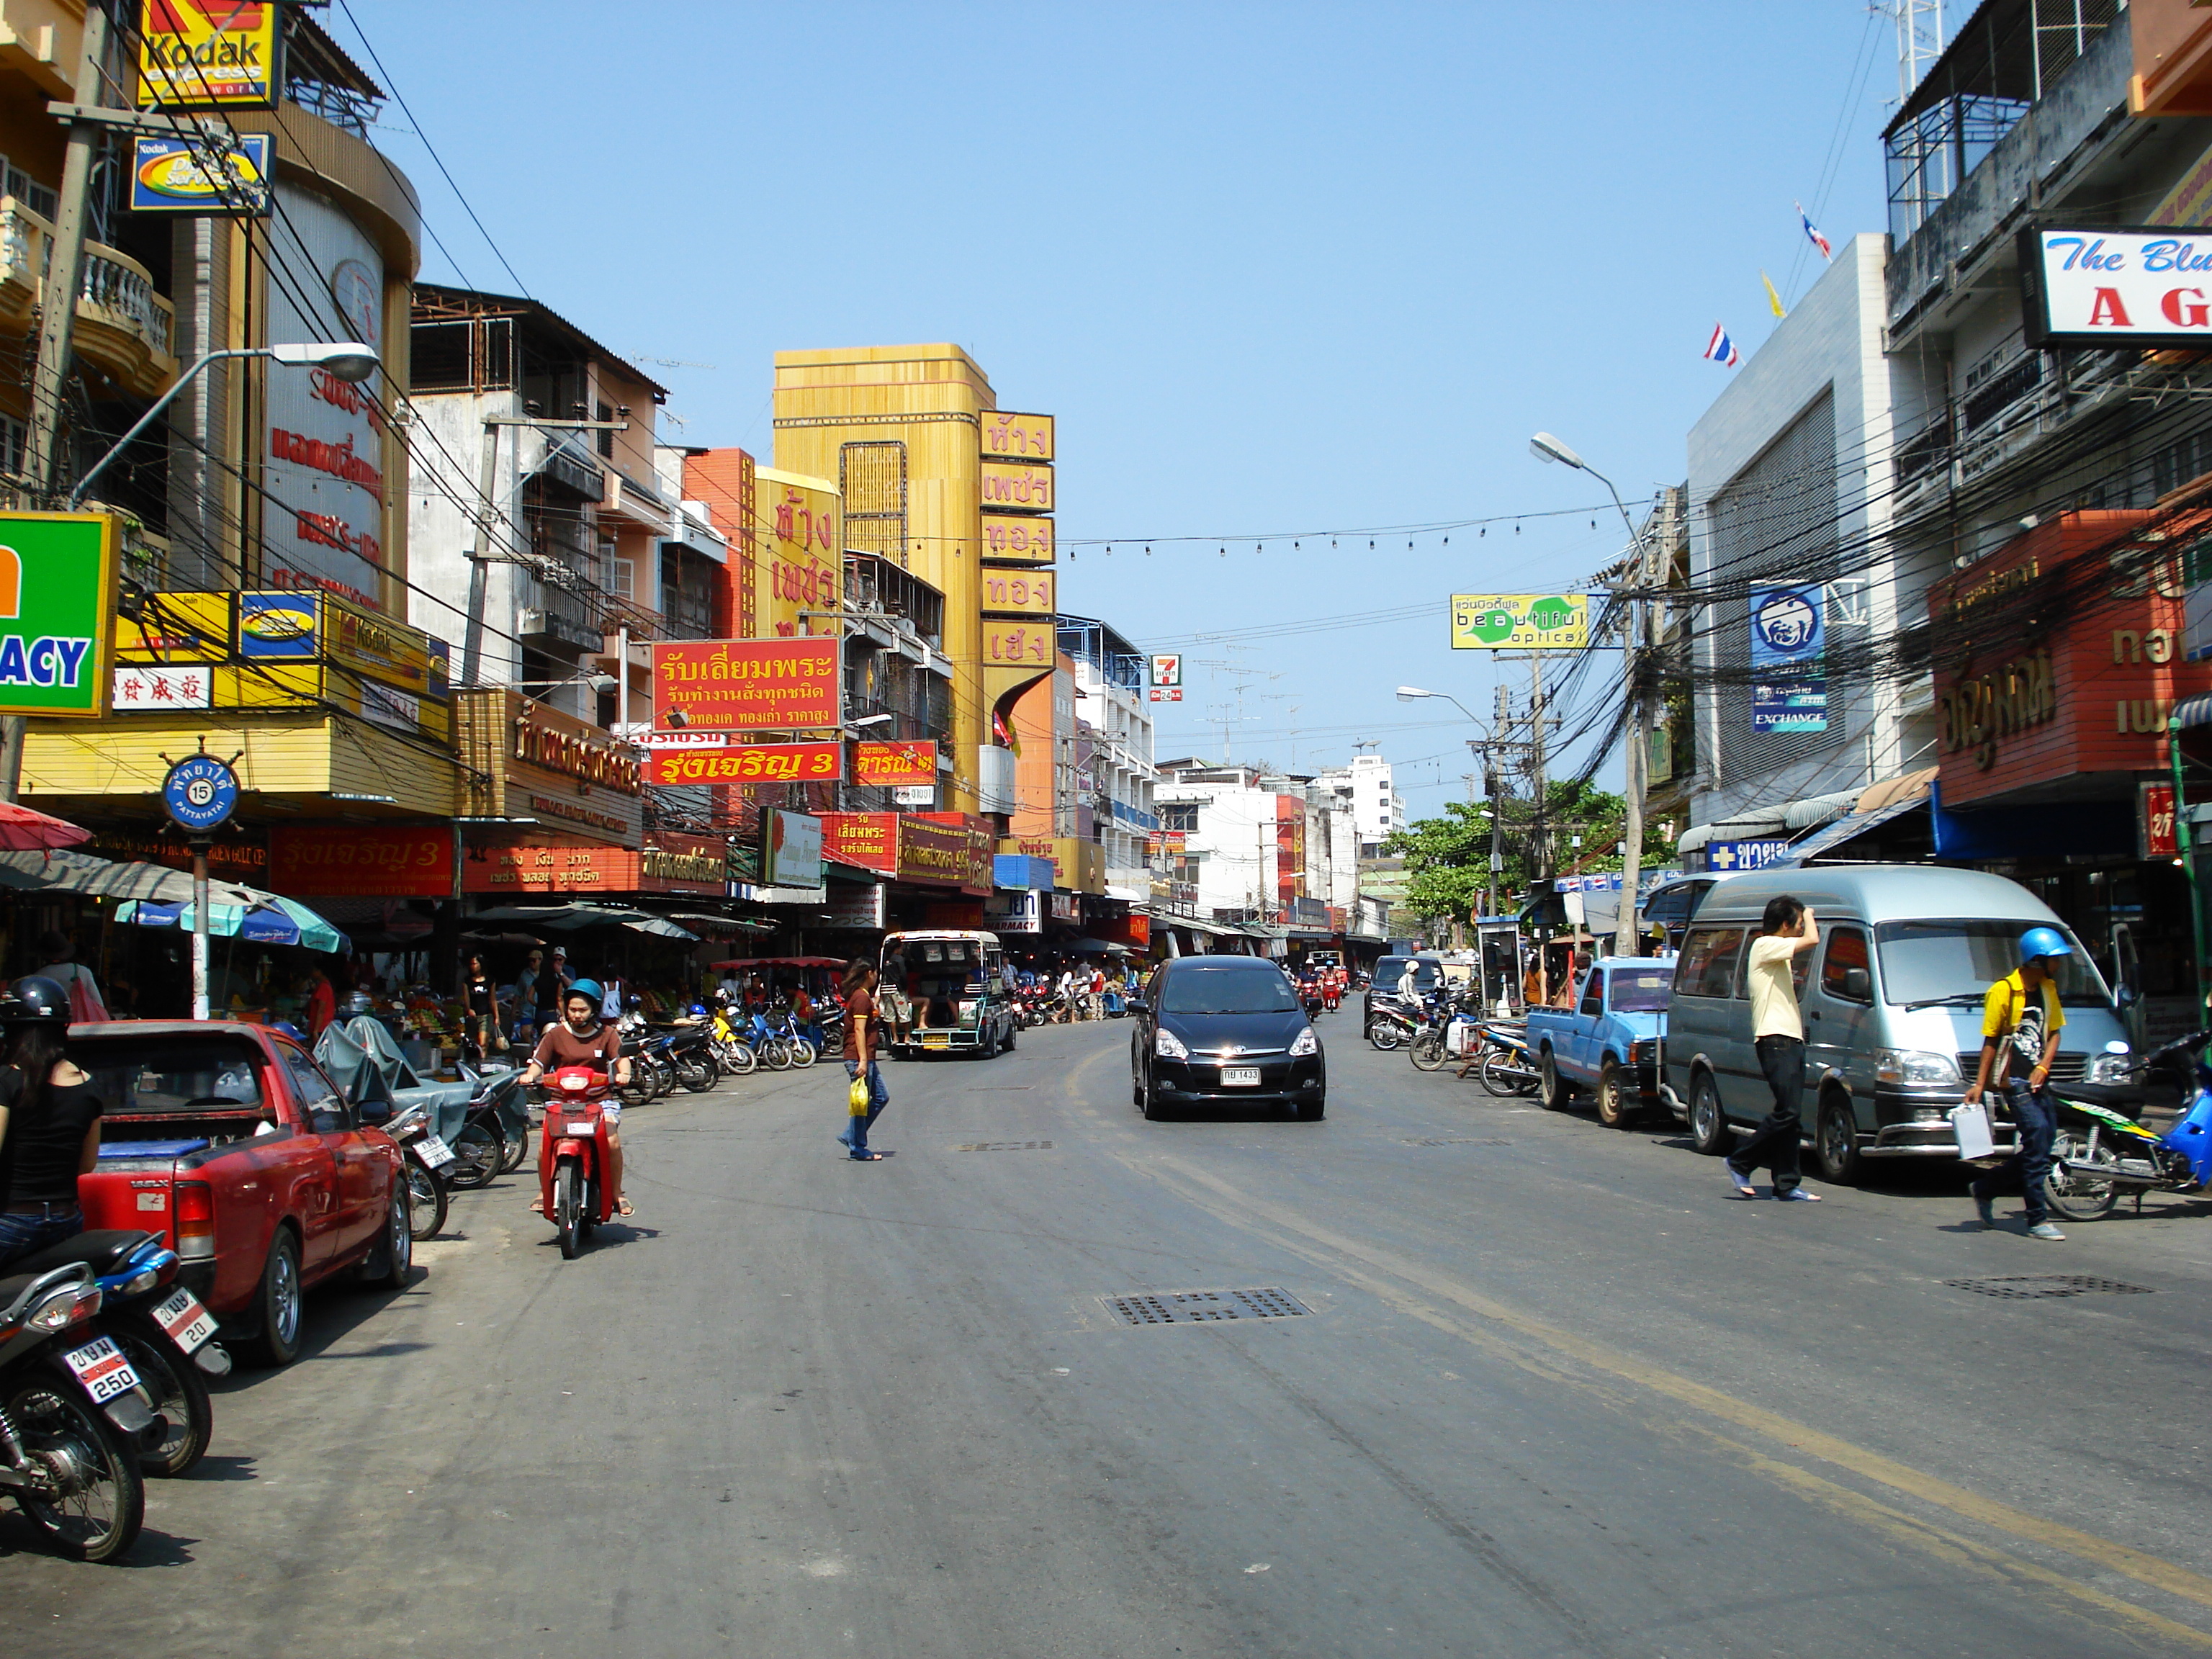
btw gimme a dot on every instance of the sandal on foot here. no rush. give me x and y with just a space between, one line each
622 1207
538 1206
867 1158
1798 1195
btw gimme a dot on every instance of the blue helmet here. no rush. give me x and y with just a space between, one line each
698 1009
2043 942
584 987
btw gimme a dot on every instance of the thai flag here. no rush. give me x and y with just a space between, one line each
1722 349
1819 240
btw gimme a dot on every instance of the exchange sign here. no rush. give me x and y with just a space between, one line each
1520 622
744 685
58 591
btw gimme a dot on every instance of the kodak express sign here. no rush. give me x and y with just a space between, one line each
58 591
744 685
207 54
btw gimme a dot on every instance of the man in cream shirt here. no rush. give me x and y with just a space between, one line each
1779 1035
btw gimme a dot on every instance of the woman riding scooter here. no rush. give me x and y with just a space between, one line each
580 1039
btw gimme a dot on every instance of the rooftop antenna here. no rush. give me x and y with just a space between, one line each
1919 41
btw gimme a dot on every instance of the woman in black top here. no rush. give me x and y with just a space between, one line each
480 1030
49 1122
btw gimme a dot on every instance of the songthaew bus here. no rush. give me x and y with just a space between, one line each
945 992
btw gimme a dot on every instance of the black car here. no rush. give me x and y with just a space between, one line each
1215 1029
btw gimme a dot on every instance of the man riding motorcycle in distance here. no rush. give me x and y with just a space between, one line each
581 1039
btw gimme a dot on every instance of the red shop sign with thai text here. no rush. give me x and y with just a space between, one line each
396 863
744 685
749 763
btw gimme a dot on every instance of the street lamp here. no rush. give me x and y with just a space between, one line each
1414 693
348 360
1545 447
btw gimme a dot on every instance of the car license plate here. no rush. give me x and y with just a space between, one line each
936 1040
100 1366
434 1152
188 1323
1240 1077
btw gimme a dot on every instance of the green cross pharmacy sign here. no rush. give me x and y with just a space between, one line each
57 592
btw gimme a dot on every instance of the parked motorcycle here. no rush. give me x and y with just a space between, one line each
733 1054
2101 1150
167 1340
425 1160
573 1156
494 1134
1509 1068
73 1420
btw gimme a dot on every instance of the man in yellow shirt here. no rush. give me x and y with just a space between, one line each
2022 1018
1778 1036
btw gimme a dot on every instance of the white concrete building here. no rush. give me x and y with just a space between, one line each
1378 810
1790 482
1115 773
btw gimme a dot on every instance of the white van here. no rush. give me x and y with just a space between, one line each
1892 1002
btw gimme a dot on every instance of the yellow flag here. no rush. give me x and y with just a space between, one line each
1773 300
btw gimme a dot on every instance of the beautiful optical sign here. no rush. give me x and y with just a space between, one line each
2106 287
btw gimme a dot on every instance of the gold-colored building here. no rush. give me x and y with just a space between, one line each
935 477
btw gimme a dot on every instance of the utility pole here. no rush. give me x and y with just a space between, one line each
58 318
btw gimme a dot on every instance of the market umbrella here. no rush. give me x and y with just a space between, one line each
1094 947
274 921
80 872
21 830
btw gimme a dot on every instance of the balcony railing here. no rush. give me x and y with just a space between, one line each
124 325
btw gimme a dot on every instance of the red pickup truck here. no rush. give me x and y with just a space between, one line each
230 1141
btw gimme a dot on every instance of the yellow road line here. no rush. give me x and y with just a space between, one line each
1336 1250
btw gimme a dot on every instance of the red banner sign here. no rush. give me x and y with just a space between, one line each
869 840
748 763
396 863
889 764
744 685
674 864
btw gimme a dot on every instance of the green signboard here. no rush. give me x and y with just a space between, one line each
58 591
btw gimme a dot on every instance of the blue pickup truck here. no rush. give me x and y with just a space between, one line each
1607 1044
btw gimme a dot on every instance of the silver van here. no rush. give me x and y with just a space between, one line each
1892 1001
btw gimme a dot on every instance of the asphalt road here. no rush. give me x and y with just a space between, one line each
1555 1392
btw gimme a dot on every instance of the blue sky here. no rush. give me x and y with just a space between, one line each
1278 268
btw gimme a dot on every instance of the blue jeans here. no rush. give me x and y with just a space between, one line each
20 1235
857 1126
2027 1169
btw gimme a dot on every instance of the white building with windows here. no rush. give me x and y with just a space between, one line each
1790 483
1378 812
1115 775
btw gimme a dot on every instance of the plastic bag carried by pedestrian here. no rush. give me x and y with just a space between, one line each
856 1098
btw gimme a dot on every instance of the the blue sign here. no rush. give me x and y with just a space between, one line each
1788 636
201 793
277 625
201 176
1745 855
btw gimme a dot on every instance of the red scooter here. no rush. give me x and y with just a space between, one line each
573 1155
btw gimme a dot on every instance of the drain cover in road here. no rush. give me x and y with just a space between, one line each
1455 1140
2031 1286
1006 1146
1203 1307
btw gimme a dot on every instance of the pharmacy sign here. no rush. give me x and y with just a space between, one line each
58 591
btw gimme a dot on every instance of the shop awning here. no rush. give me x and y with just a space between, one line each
1816 810
1891 799
567 918
2194 711
80 872
661 928
779 962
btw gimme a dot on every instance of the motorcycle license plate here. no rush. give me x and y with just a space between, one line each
936 1040
583 1128
188 1323
434 1152
100 1366
1240 1077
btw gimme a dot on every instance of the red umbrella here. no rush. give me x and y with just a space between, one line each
21 830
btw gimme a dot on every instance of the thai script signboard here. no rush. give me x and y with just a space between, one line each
1520 622
744 685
